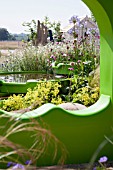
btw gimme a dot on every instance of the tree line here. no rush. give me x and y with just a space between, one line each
6 36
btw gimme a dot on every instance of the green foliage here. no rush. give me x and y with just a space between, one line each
32 30
86 95
76 90
47 22
44 92
54 26
80 91
20 37
10 103
12 37
78 82
4 34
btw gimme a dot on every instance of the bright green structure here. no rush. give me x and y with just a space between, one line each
17 88
83 131
62 68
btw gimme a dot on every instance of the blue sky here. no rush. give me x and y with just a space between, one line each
15 12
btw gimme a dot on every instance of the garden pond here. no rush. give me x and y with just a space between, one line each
24 77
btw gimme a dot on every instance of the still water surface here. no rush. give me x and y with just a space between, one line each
21 78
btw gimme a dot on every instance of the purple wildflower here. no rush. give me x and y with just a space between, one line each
78 24
28 162
70 31
94 168
52 56
85 24
20 166
103 159
71 68
9 164
74 19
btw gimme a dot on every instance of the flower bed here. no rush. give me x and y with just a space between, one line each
34 94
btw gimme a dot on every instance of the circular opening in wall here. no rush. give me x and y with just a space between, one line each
68 36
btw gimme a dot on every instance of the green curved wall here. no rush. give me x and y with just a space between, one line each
102 11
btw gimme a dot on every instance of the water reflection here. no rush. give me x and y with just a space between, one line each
25 77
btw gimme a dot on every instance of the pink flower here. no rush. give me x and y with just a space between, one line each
52 56
48 60
79 61
71 68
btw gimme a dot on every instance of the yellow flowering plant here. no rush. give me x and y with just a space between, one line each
86 95
76 90
44 92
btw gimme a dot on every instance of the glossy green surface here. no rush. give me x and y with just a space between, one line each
12 87
82 131
62 68
9 88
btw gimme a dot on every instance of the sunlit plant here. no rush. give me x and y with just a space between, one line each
44 92
86 95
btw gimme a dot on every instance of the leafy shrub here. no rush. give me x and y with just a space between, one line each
13 103
86 95
78 82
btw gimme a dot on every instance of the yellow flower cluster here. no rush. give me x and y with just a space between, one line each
13 103
86 95
44 92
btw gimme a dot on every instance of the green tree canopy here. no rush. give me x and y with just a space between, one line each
4 34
